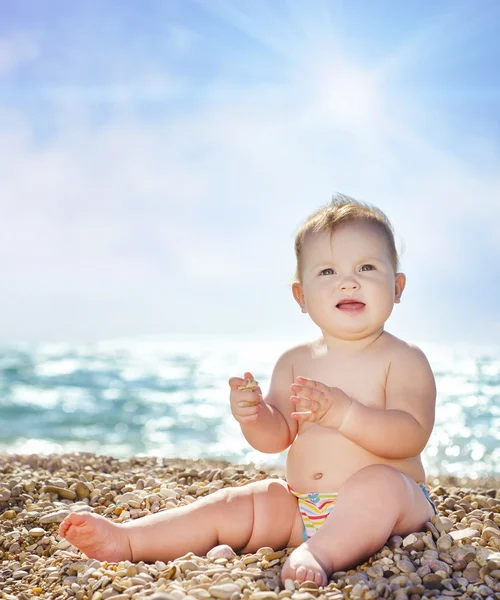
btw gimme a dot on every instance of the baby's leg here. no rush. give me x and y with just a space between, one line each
246 518
375 503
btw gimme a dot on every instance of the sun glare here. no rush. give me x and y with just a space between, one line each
350 96
347 95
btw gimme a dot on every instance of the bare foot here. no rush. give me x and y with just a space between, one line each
96 536
302 565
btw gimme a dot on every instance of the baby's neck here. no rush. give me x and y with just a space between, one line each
329 343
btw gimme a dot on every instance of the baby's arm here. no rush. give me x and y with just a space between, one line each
274 430
404 427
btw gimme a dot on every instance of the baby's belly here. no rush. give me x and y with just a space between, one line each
322 459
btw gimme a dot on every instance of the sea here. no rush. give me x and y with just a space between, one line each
169 397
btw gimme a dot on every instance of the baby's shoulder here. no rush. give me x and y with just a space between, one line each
399 350
297 352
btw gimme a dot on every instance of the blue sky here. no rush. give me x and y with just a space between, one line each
157 158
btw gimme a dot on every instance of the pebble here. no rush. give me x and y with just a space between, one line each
457 554
36 532
222 551
54 517
268 595
61 492
224 591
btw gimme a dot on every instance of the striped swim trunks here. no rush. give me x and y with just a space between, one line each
315 507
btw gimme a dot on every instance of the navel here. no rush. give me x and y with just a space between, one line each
317 475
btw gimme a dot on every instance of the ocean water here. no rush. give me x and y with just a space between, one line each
170 398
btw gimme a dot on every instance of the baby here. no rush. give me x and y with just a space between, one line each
355 408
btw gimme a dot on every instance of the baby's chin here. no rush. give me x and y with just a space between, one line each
354 332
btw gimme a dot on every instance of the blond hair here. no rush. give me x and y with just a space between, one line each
341 210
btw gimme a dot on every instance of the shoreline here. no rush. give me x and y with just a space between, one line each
458 554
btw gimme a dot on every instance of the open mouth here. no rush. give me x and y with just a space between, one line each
351 306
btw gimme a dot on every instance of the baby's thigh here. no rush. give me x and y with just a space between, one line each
416 512
275 513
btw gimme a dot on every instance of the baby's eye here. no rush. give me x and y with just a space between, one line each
367 268
327 271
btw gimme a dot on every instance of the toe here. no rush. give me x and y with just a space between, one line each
301 574
76 519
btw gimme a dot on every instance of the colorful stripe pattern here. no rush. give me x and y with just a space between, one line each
315 507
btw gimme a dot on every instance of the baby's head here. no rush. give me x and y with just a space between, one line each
343 210
347 276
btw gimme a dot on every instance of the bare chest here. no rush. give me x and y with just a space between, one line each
363 380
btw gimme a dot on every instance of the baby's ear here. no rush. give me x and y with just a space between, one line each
399 286
298 294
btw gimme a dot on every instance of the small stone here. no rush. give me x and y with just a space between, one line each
410 539
437 565
61 492
486 591
303 596
222 551
188 565
432 582
471 572
37 532
375 572
4 495
200 594
54 517
442 524
131 571
308 585
464 533
224 591
484 555
406 566
83 490
263 596
444 542
229 472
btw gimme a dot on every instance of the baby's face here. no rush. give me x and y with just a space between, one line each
353 264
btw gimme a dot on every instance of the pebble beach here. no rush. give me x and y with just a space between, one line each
457 556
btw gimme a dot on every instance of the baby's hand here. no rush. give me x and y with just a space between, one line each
246 398
317 403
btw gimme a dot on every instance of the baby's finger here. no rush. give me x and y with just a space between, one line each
249 409
312 384
313 394
302 417
245 403
236 382
302 403
246 413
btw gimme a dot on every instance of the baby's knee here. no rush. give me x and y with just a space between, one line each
376 479
274 514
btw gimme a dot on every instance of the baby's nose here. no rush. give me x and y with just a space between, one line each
349 283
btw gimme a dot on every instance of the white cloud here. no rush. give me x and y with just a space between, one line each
188 219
